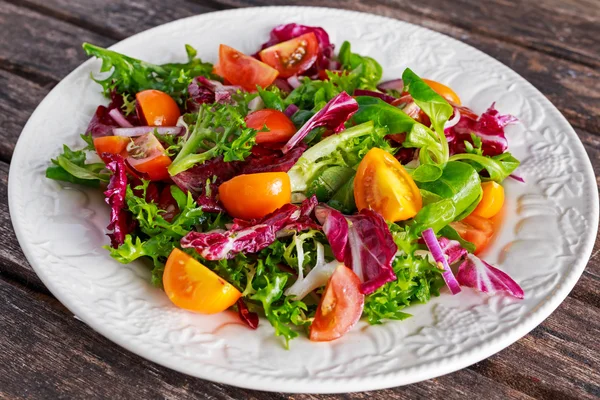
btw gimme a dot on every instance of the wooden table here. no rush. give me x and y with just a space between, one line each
46 353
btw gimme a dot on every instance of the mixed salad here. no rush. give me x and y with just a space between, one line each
294 184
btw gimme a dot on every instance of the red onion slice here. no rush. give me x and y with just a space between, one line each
255 104
291 110
142 130
439 257
394 84
119 118
454 120
294 81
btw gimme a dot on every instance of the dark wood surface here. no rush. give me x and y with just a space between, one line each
45 353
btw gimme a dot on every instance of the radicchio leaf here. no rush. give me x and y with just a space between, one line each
385 97
206 91
203 181
102 123
478 274
251 236
452 249
489 127
115 197
369 248
248 317
332 116
264 159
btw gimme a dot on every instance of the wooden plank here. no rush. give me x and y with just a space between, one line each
566 30
117 19
560 359
47 353
39 47
13 264
18 99
572 87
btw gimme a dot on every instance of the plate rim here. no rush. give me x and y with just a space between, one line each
331 385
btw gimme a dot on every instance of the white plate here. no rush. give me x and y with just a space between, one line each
544 243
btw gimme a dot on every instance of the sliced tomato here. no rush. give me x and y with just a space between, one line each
292 57
245 71
111 145
443 91
192 286
476 230
492 200
255 195
340 308
157 108
280 127
148 156
383 185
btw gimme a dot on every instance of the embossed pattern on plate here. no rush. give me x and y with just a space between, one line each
544 243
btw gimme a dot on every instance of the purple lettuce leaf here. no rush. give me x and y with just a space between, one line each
102 123
478 274
250 236
120 223
489 127
332 116
206 91
442 259
264 159
363 242
203 181
385 97
452 249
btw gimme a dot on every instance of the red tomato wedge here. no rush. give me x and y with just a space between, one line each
157 108
242 70
280 127
475 229
340 308
383 185
148 156
292 57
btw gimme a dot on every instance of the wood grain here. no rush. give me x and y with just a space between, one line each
573 88
47 353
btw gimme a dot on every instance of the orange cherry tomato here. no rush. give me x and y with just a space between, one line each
292 57
443 91
255 195
476 230
245 71
340 308
148 156
192 286
383 185
111 145
492 200
280 127
158 108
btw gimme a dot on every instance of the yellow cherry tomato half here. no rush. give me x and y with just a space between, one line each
443 91
157 108
192 286
255 195
492 200
383 185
